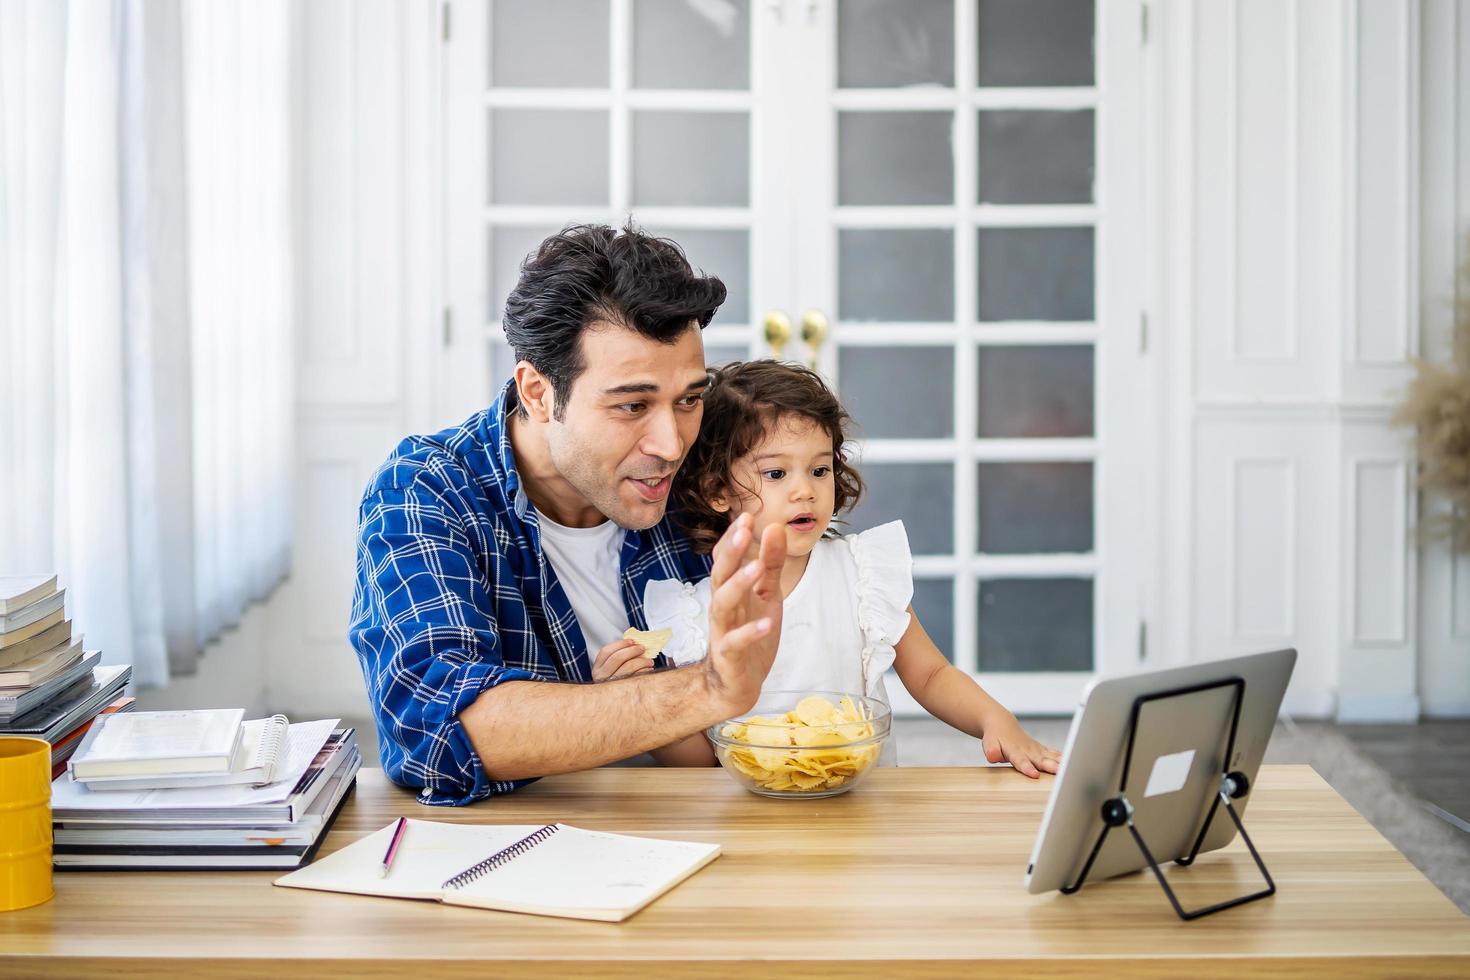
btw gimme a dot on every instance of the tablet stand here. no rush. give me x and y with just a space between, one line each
1118 812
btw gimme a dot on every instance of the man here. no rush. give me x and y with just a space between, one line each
494 558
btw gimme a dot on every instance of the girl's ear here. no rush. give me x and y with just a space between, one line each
717 497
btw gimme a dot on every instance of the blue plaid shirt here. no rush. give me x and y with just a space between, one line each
454 596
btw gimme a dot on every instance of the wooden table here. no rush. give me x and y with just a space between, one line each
917 872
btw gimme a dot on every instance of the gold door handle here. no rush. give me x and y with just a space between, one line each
778 332
814 332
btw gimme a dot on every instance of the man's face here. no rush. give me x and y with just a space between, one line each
632 415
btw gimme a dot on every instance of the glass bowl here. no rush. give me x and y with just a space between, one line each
803 744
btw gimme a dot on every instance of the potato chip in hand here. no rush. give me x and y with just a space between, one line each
652 641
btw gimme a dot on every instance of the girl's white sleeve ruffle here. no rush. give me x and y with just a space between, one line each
684 608
885 589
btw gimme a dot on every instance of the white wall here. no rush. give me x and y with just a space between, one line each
232 672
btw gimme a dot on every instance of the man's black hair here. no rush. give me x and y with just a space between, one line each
589 274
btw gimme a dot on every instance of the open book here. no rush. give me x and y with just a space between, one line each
551 870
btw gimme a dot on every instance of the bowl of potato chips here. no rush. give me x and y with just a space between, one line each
806 744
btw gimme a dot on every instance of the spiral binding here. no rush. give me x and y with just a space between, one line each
270 744
500 857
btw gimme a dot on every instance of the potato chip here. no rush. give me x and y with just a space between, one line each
652 641
815 711
813 737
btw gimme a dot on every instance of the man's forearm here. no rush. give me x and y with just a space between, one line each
523 729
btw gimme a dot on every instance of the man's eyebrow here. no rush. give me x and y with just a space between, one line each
632 388
649 388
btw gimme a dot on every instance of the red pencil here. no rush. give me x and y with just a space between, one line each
393 846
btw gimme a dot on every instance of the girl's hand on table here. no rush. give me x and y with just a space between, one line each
1006 741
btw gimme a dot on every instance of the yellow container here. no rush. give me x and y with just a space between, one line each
25 823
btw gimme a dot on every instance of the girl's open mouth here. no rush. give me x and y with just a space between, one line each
805 522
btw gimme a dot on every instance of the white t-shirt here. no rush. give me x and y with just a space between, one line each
588 564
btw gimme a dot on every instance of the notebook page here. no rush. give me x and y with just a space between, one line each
583 872
429 854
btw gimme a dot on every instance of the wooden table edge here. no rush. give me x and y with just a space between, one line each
17 967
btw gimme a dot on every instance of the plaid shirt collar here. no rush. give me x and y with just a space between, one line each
499 452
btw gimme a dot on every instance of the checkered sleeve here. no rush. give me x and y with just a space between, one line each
425 630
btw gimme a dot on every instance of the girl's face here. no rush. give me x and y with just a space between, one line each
791 469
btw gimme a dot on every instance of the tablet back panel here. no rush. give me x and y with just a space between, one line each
1176 765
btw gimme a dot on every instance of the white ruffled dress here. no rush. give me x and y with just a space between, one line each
838 626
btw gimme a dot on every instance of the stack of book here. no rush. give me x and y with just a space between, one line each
201 790
50 686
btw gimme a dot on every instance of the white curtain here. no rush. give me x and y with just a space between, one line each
238 108
146 305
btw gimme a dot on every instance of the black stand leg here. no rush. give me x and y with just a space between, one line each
1270 888
1118 812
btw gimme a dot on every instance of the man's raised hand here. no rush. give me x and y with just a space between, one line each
745 613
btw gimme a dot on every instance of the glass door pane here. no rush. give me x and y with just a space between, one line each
882 44
683 45
548 44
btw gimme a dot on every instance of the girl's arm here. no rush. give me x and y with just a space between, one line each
953 697
694 750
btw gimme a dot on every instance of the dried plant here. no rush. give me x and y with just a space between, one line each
1437 405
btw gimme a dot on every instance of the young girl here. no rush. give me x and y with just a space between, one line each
771 445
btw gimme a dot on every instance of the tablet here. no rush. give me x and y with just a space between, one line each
1177 760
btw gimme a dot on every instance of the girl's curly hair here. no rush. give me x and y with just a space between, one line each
743 402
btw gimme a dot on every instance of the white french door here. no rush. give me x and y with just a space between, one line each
942 199
560 111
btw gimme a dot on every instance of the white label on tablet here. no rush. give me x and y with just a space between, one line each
1169 773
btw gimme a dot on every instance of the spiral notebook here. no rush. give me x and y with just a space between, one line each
547 870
